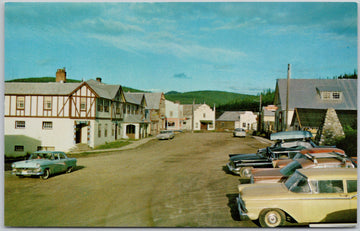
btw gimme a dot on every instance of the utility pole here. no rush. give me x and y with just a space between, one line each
287 96
192 112
259 117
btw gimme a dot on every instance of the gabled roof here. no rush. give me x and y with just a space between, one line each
51 88
106 91
152 99
305 93
135 98
187 109
230 116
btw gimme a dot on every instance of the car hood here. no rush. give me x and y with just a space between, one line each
263 191
31 163
240 157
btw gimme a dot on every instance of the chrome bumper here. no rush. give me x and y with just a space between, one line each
243 215
27 172
232 169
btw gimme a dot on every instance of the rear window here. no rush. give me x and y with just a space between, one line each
351 186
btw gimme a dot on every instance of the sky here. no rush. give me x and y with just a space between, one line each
240 47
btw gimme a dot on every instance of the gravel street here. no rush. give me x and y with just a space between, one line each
171 183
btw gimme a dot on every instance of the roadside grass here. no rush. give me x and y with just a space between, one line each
115 144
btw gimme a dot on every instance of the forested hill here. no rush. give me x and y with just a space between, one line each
208 97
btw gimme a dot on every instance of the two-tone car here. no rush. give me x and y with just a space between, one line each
287 145
44 164
322 160
308 196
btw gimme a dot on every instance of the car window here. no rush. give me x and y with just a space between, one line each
298 183
56 155
351 186
62 156
328 186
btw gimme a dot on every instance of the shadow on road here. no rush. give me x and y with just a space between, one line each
233 206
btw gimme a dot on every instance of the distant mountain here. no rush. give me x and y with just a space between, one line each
53 79
208 97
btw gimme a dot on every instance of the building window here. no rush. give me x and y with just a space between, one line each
204 115
82 104
20 102
99 130
47 103
328 95
106 106
47 125
100 105
19 124
171 113
171 124
244 125
105 130
112 131
19 148
196 125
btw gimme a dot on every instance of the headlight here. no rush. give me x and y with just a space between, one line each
38 165
13 165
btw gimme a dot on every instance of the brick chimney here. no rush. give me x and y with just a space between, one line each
61 75
98 79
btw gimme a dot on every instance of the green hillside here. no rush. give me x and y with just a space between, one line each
209 97
53 79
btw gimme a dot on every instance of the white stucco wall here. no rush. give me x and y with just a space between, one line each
248 120
33 135
205 113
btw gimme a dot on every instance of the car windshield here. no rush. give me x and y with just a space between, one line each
290 168
299 156
164 132
35 156
297 183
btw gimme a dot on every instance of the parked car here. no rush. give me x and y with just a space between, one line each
239 132
308 196
165 135
44 164
287 145
275 175
309 153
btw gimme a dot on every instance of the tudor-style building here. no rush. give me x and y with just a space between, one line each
60 115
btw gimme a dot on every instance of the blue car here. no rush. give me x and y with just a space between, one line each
44 164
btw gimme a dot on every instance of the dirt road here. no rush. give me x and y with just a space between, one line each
171 183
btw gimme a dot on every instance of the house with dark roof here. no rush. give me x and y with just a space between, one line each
310 99
230 120
62 116
155 110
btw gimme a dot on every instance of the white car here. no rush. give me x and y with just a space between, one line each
165 135
239 132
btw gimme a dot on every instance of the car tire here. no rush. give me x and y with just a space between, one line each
46 174
245 172
271 218
69 169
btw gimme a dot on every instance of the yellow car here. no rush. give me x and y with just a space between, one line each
309 196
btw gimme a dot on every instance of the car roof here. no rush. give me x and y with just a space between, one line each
288 135
329 173
38 152
322 150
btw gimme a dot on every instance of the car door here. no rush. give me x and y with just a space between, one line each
58 163
328 203
62 162
351 186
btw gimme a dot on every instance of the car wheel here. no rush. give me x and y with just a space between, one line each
46 174
272 218
245 172
70 169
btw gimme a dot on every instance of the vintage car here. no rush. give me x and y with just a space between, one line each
308 196
322 160
309 153
239 132
44 164
165 135
287 145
